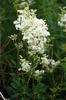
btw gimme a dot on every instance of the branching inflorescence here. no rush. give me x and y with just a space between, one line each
35 33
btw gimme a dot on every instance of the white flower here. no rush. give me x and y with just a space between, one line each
19 45
19 69
45 61
34 30
62 21
49 64
25 65
13 37
53 63
38 72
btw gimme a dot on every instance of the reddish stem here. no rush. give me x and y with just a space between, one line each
9 65
5 45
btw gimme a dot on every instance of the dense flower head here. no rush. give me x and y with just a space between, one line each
34 30
62 21
49 64
25 65
38 72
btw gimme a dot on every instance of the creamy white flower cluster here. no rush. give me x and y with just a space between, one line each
38 73
13 37
25 65
34 30
62 21
19 45
35 33
49 64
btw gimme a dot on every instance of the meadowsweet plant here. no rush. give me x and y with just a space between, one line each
35 34
62 21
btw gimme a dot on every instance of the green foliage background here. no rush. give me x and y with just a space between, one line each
53 86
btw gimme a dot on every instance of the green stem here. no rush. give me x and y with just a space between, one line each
53 98
33 90
17 55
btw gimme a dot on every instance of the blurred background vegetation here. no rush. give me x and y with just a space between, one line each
49 89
